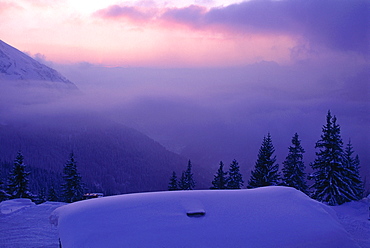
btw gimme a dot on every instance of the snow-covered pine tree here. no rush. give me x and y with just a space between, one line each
234 179
189 176
173 182
72 188
18 179
265 172
332 184
187 181
293 170
352 165
220 179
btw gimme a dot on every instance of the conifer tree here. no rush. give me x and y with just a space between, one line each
265 172
72 189
331 175
352 165
41 197
52 195
3 194
234 179
173 182
187 182
182 184
18 179
220 179
293 170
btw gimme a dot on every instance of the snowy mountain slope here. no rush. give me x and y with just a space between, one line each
19 67
263 217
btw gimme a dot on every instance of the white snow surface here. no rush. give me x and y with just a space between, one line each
26 225
18 67
11 206
263 217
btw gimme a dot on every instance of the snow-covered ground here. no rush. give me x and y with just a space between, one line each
355 218
265 217
26 225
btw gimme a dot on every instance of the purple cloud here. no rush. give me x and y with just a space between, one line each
338 25
192 15
257 15
130 12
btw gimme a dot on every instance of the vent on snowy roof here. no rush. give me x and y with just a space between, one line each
195 214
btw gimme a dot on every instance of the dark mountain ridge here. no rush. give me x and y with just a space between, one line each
111 158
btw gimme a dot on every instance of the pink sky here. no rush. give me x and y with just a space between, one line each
276 66
158 33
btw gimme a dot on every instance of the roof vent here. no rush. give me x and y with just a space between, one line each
196 214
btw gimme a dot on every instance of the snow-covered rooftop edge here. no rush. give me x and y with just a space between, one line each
262 217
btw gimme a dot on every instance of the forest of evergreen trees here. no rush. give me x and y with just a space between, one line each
22 183
335 176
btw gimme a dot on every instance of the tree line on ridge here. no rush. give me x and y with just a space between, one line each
336 178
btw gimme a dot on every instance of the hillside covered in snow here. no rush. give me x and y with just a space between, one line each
18 66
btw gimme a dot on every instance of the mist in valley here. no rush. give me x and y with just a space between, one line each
207 79
208 114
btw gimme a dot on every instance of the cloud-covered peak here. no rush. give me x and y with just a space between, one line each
17 66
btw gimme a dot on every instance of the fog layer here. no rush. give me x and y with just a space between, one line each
217 114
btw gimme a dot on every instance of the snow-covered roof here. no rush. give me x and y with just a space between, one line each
262 217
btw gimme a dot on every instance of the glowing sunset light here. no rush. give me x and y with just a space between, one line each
190 33
207 79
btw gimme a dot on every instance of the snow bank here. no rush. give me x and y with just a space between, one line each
7 207
354 217
263 217
29 226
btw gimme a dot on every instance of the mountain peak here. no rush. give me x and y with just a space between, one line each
18 66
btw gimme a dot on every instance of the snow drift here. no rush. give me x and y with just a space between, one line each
263 217
10 206
23 224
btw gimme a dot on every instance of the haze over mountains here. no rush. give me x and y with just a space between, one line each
204 114
213 114
111 157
